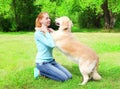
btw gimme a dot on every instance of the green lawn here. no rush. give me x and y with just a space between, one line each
17 60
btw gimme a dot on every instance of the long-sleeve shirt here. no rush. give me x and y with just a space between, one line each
45 45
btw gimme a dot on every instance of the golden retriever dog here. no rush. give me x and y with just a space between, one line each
84 56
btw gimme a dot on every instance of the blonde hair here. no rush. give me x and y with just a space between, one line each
39 17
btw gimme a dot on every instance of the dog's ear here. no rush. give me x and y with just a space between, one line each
70 25
65 25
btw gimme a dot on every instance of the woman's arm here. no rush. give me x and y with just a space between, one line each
45 38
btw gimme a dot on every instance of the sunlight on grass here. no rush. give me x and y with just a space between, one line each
17 60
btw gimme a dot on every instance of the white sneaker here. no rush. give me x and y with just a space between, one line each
36 73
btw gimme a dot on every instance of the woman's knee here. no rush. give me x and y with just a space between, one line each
69 75
64 78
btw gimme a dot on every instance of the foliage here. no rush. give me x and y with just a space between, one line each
19 15
23 12
114 6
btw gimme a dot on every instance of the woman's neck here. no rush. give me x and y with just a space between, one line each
44 27
41 28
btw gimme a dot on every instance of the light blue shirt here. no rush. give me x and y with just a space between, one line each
45 45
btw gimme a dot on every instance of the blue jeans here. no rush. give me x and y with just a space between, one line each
54 71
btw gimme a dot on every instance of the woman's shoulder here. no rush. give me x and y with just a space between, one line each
37 30
37 33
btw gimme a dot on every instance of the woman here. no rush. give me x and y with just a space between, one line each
45 63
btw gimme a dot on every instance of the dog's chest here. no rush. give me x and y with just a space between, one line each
76 60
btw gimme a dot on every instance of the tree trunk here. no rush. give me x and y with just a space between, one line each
109 17
112 19
15 19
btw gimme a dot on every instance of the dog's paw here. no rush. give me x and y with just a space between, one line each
81 84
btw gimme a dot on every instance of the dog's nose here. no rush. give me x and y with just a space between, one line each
57 23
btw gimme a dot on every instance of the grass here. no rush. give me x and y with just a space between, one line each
17 60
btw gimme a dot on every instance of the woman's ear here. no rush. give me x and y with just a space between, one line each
40 21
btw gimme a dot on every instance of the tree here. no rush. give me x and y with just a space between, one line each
109 9
23 14
5 15
17 15
109 16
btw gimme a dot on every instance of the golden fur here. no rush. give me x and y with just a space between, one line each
86 58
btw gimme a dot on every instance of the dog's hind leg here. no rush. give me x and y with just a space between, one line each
95 75
85 75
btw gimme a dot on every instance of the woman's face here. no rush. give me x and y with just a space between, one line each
45 20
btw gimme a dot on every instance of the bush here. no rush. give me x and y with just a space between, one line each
89 19
5 24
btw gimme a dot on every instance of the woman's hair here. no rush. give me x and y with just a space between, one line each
39 17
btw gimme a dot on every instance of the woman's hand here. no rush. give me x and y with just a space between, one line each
50 30
46 29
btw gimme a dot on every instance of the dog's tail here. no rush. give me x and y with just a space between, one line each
95 74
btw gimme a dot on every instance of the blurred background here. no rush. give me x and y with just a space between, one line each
20 15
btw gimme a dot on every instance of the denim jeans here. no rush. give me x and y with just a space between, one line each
54 71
